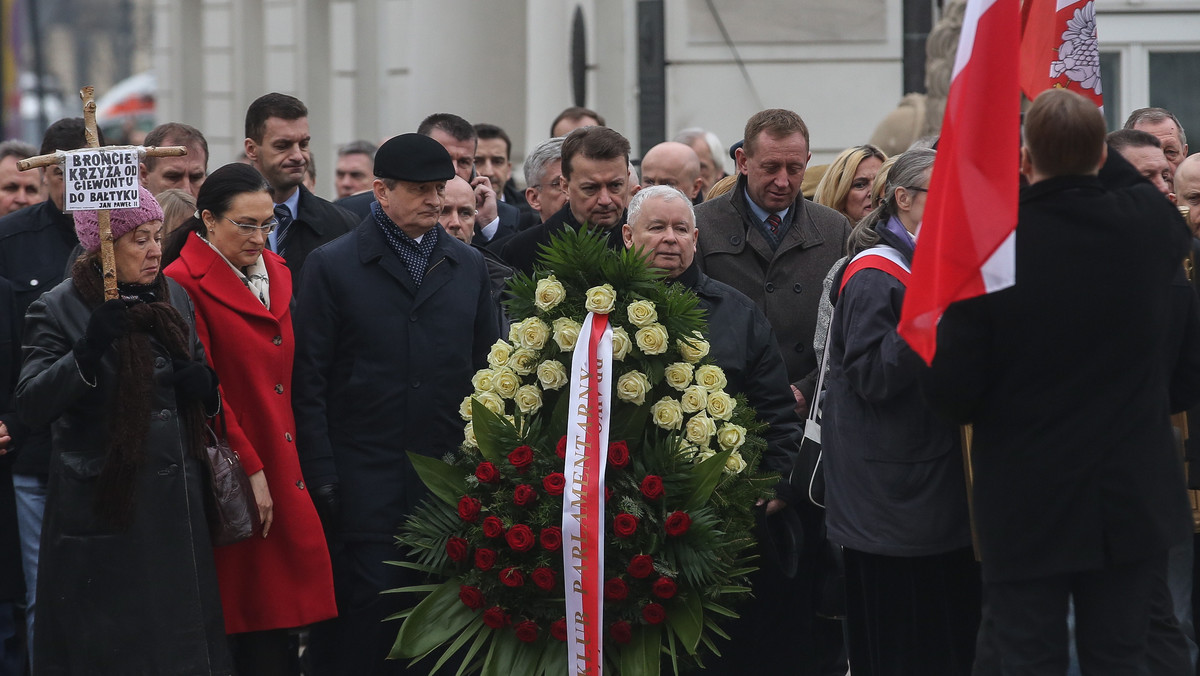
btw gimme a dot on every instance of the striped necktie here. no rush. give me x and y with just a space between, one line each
284 216
773 223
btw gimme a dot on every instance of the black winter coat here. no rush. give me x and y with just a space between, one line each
317 222
381 368
1064 376
139 601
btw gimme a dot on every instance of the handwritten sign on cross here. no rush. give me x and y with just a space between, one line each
101 180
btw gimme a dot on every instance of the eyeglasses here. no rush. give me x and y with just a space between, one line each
918 189
557 184
247 230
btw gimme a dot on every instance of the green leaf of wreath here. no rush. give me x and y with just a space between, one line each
704 480
435 620
685 615
488 427
642 655
447 482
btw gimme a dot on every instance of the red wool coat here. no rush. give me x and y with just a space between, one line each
284 580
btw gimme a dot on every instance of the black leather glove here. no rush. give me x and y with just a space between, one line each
194 381
107 323
329 505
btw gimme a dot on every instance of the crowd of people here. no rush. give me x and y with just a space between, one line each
323 339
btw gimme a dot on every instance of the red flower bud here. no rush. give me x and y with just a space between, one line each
512 577
471 597
561 448
527 631
551 538
618 454
620 631
554 483
468 509
521 458
456 549
524 495
493 527
615 589
520 538
654 613
664 588
652 487
625 525
485 559
487 473
641 566
558 629
678 523
544 578
495 617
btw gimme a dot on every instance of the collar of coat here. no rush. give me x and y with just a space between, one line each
199 261
733 237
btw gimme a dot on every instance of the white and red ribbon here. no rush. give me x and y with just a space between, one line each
583 497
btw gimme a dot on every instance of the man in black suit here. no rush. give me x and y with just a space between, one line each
496 221
493 158
277 145
1069 378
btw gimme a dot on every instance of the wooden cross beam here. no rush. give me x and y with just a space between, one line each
108 263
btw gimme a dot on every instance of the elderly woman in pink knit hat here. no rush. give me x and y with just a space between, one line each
126 581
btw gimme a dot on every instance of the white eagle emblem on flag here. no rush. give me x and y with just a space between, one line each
1079 54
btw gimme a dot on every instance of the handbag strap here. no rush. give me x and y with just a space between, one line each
814 411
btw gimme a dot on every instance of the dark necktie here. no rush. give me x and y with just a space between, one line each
284 216
773 223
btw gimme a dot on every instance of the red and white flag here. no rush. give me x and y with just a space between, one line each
1059 48
967 242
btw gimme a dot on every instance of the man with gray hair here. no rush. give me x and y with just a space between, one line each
710 151
18 189
662 225
353 171
1163 124
544 180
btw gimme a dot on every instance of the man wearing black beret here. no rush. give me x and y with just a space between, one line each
394 320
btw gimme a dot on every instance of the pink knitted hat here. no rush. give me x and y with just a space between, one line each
87 223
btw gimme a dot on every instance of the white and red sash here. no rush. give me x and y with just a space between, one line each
878 257
583 498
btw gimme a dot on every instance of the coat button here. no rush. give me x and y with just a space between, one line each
770 287
300 484
278 340
279 388
412 318
416 384
159 363
287 436
164 414
797 287
735 240
33 282
799 347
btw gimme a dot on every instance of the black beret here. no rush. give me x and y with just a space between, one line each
733 150
415 158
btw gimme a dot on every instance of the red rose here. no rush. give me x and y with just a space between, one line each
654 613
607 493
495 617
620 632
554 483
512 577
493 527
519 537
551 538
615 589
618 454
641 566
678 523
485 559
544 578
521 458
558 629
487 473
527 631
652 487
561 448
664 588
625 525
456 549
468 509
471 597
524 494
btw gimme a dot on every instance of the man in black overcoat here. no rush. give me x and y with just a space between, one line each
392 322
1078 491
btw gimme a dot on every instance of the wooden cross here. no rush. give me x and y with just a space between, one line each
108 264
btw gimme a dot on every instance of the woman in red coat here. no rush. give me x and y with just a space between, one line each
242 294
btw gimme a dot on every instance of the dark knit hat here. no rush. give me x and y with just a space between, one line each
120 221
415 158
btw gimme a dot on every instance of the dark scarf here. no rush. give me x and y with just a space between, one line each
151 315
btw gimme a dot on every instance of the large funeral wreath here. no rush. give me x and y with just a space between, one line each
682 483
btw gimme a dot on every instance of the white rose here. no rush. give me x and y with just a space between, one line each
667 413
469 435
642 313
528 398
506 382
566 332
492 401
693 399
499 354
464 409
731 437
483 379
720 405
679 375
549 292
632 387
621 343
652 339
734 464
533 333
711 377
552 374
693 349
600 299
523 361
514 333
699 429
702 455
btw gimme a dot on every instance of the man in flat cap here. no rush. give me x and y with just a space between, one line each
393 321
